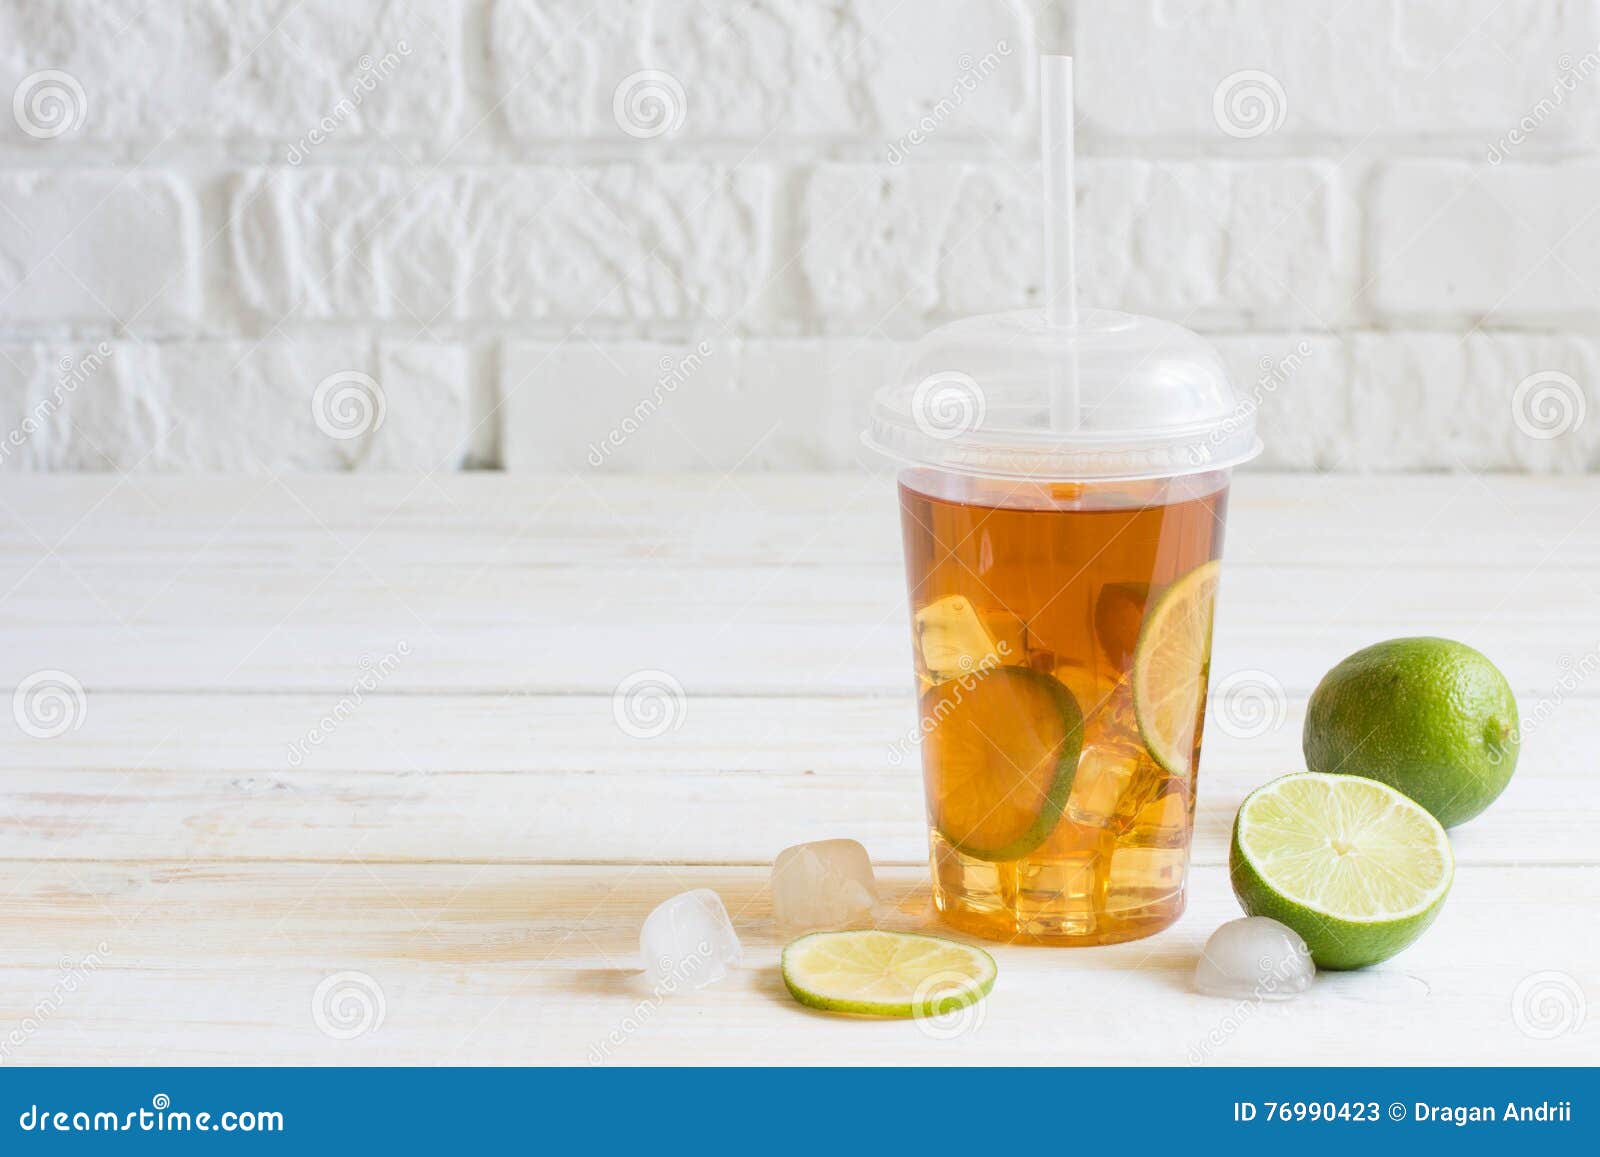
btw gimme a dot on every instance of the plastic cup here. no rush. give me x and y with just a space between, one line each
1062 570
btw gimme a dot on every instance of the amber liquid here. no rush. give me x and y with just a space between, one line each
1057 579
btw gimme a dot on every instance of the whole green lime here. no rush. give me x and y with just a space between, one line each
1430 717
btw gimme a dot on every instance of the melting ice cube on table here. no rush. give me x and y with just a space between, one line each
688 941
1256 958
823 885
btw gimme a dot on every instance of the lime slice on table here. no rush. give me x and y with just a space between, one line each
1170 665
886 973
1001 749
1354 866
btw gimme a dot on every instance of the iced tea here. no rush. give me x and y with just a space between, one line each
1062 641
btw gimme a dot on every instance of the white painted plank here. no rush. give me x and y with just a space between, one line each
617 817
1340 521
268 585
518 964
429 734
520 778
735 630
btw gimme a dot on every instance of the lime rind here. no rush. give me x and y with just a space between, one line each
886 974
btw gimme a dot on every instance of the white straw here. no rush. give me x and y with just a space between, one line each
1060 285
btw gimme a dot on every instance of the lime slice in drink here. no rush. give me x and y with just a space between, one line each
1170 665
1354 866
1000 750
886 973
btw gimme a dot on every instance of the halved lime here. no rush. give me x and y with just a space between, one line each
1000 749
1170 665
1354 866
886 973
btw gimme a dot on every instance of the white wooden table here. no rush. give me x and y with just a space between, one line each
477 837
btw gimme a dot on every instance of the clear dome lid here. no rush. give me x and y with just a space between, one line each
1010 395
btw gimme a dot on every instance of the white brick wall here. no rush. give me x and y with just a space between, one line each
554 234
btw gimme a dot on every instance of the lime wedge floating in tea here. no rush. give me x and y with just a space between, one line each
1000 749
1351 864
1170 667
886 973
